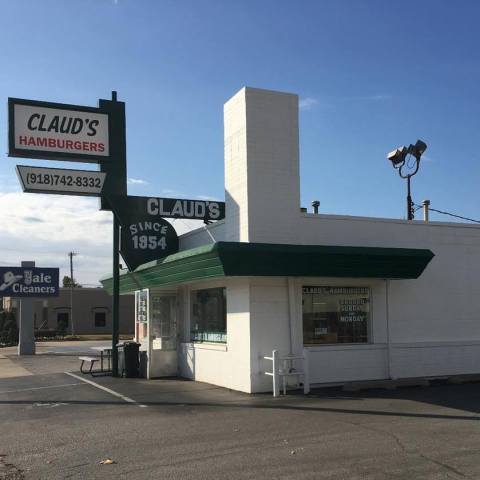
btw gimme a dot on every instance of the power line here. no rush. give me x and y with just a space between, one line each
450 214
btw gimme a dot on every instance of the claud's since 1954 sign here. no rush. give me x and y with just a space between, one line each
180 208
57 131
146 236
143 238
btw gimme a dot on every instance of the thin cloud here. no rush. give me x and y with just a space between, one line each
47 227
136 181
33 219
207 198
170 193
173 193
307 103
379 97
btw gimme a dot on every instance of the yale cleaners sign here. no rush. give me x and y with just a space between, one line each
29 282
57 131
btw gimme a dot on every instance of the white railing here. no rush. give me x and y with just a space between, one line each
282 368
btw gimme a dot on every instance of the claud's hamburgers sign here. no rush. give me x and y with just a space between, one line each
57 131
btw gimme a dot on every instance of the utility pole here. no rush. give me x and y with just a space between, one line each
71 255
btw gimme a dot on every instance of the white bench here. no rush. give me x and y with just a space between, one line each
90 360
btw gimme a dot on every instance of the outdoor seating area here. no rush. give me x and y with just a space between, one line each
105 360
128 365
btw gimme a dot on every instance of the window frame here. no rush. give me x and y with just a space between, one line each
104 312
206 340
369 325
63 312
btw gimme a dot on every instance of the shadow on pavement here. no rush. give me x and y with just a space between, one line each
228 405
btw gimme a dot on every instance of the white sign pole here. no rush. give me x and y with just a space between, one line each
26 334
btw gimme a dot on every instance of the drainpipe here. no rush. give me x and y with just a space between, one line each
387 314
291 310
426 205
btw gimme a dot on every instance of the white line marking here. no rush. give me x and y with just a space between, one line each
111 392
49 405
40 388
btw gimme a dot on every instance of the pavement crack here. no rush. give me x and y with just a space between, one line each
444 465
412 451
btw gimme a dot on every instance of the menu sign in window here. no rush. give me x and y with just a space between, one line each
335 314
141 302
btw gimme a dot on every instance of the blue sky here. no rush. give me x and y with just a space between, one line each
371 75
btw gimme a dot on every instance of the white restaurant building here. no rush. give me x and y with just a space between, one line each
368 298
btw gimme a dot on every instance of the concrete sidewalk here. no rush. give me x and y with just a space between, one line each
10 369
51 357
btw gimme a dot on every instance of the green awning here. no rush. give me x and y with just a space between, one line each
233 259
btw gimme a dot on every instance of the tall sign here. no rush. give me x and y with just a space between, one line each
57 131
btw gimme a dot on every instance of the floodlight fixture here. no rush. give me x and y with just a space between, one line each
398 157
419 148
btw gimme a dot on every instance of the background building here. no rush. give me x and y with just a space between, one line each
92 312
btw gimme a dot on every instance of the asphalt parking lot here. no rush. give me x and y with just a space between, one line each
57 426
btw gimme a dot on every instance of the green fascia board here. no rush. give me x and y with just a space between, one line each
264 259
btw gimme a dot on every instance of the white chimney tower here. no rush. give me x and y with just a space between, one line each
262 180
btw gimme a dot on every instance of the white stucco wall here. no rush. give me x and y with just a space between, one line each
433 321
227 365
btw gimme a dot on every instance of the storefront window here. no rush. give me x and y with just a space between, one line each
335 315
209 315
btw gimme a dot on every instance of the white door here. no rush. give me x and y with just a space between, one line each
163 335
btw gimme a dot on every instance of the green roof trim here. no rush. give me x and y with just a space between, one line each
224 259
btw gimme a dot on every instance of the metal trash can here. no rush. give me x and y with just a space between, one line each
131 359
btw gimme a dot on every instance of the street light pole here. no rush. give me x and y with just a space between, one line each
409 200
71 255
